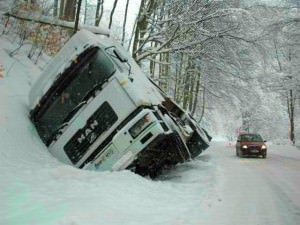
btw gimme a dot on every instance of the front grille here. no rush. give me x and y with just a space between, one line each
253 147
110 137
97 124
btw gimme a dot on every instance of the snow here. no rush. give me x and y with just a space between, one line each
216 188
37 189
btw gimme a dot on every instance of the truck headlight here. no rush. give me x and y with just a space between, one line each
263 147
244 147
140 126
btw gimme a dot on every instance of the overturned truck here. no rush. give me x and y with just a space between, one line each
94 109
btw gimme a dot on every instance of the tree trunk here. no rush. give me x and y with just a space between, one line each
192 93
186 90
77 16
70 10
99 12
139 24
67 10
178 77
161 72
196 94
147 8
152 63
124 22
112 14
85 11
55 8
203 105
291 110
61 9
167 72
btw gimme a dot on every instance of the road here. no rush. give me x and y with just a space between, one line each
257 191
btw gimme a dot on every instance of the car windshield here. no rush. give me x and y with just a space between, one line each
93 68
251 137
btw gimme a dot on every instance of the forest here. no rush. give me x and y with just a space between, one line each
233 64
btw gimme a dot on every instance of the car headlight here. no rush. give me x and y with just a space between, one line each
141 125
263 147
244 147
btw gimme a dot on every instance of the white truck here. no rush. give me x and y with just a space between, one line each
94 108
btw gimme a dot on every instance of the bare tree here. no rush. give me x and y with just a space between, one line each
67 10
291 100
124 22
77 15
55 8
99 12
61 9
112 14
146 10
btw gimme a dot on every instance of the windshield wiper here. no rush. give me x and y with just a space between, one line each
65 123
56 133
74 111
84 101
92 92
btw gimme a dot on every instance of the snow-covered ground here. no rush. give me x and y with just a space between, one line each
215 189
35 188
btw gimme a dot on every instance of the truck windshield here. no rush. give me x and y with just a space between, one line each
92 68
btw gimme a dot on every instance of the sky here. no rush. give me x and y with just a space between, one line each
119 14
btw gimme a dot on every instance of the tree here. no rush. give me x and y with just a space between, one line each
77 15
55 8
201 31
124 22
284 38
112 13
99 12
67 10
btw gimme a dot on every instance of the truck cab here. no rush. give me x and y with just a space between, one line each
94 108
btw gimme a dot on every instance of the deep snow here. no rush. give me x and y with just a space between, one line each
37 189
216 188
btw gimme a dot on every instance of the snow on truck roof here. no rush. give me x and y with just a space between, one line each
82 40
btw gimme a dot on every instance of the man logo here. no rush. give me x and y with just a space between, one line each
88 134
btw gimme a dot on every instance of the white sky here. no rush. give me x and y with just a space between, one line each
119 13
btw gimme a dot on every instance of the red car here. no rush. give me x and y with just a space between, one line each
251 144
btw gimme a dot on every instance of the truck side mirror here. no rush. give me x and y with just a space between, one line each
119 55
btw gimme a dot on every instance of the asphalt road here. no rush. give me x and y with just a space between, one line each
257 191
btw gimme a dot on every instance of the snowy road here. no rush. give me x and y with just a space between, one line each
258 191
